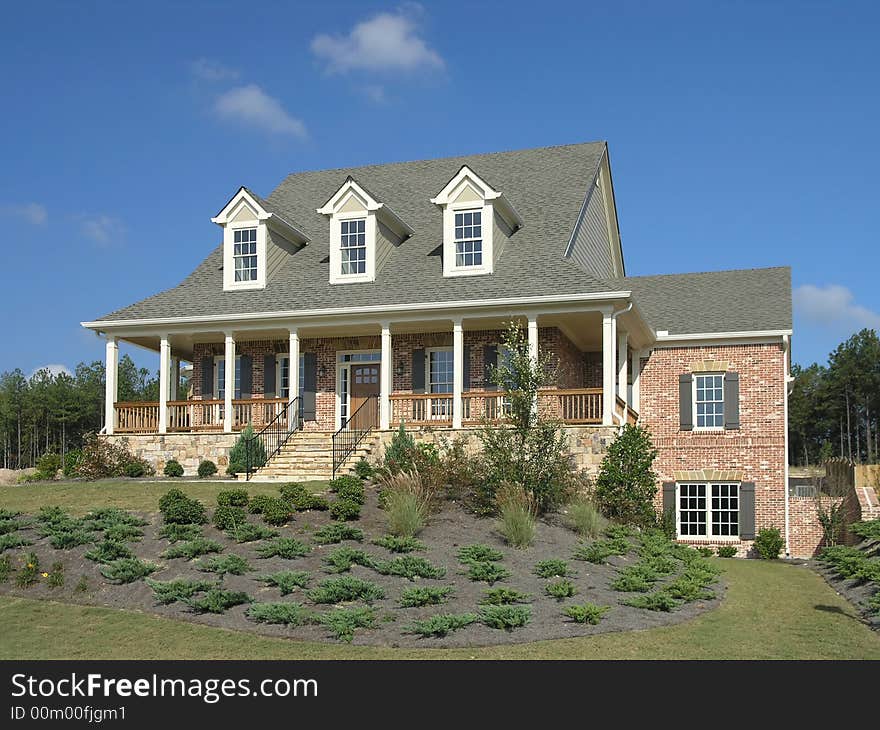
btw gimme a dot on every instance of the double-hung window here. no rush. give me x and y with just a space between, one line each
708 509
468 238
220 374
244 253
284 377
709 400
440 369
353 246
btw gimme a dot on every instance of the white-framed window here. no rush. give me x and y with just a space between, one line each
709 400
439 366
468 238
353 246
244 253
708 509
220 377
283 377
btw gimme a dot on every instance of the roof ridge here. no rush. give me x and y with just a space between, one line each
711 271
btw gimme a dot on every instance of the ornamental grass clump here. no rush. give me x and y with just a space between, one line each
584 517
408 502
517 510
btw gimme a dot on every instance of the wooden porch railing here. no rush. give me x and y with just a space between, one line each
197 415
137 417
632 416
421 409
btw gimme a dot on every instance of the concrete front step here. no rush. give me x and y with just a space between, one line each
309 455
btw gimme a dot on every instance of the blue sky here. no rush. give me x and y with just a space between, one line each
741 133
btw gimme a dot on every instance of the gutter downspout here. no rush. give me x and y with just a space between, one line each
787 380
621 419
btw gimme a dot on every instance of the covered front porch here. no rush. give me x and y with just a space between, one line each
426 373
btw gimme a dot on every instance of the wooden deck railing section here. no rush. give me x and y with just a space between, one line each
196 415
421 409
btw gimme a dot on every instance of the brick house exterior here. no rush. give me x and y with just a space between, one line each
357 300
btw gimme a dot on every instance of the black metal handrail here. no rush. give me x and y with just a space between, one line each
354 430
269 440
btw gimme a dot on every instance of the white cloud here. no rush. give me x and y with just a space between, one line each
209 70
102 229
833 305
386 42
54 369
33 213
251 105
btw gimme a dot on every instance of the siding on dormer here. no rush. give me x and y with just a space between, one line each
591 249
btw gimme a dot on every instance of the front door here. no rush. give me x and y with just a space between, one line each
364 383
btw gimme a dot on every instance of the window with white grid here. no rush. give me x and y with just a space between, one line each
708 510
725 510
244 253
691 510
440 366
469 238
354 246
709 400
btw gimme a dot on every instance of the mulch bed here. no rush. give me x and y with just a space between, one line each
448 530
857 593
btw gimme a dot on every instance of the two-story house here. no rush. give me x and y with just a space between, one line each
350 301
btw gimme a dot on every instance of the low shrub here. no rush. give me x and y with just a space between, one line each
657 601
341 559
551 568
337 532
192 549
71 463
101 459
48 465
29 572
5 568
516 512
627 484
364 470
424 596
217 600
396 544
505 617
283 547
207 468
705 552
345 588
180 589
600 550
635 578
287 614
504 596
769 543
345 510
228 518
301 499
343 622
687 589
82 585
245 448
177 507
287 581
106 517
107 551
232 498
173 469
8 542
225 564
487 572
67 540
276 512
586 613
134 469
128 570
867 530
249 532
411 567
348 487
174 532
727 551
561 589
585 518
659 565
479 554
258 502
124 533
11 525
442 624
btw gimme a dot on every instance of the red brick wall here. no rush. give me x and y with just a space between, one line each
756 450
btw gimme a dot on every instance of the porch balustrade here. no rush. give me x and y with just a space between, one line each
196 415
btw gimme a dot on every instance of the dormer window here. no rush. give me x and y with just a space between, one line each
244 253
474 215
363 233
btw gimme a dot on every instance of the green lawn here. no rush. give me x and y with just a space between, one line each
138 496
772 611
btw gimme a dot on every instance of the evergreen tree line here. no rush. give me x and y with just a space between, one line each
834 409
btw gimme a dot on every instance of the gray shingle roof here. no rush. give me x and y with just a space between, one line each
717 301
546 185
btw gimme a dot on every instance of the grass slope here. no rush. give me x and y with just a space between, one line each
772 611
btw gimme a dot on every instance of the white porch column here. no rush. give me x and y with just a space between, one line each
293 378
111 384
637 373
609 325
457 372
164 377
386 372
622 365
229 383
174 394
533 349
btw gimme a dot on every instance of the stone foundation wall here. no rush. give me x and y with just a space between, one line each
187 448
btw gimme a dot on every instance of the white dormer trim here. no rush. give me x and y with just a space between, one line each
244 211
467 191
353 202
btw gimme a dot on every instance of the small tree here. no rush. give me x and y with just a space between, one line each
238 454
627 484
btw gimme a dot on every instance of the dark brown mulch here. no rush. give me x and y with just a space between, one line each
447 532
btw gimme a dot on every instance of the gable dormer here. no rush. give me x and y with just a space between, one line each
476 221
256 240
363 232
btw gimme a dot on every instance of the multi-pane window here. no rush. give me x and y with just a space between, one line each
469 238
440 368
244 253
708 510
709 401
220 374
354 246
284 377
